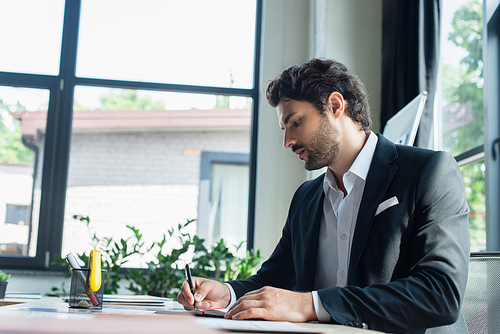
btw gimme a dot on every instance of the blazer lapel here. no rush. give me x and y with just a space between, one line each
310 238
378 180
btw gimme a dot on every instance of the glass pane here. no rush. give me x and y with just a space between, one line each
135 160
473 177
23 115
30 35
462 76
195 42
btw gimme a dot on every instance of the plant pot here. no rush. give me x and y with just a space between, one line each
3 287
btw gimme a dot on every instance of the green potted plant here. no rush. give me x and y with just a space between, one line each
113 255
3 283
162 277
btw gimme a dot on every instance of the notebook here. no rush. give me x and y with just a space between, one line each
211 312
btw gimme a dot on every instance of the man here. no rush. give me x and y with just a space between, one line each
381 240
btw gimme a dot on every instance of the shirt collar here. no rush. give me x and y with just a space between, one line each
360 166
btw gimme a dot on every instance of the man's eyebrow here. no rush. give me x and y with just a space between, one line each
287 118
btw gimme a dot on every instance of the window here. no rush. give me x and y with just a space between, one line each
461 126
20 167
31 38
15 231
223 196
126 116
473 177
492 122
136 159
190 42
17 215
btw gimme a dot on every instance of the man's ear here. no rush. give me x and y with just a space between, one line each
336 104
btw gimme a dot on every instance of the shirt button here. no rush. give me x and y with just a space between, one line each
335 206
342 273
343 236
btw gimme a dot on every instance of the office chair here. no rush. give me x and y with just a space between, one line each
481 305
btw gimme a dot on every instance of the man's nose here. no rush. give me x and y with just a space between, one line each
288 140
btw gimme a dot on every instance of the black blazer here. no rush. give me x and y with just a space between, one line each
409 263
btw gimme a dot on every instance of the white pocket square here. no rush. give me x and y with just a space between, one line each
387 204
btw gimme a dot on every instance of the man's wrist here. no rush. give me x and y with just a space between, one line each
321 313
232 295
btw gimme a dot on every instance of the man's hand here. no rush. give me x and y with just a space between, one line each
274 304
207 293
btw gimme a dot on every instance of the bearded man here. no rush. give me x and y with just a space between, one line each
379 241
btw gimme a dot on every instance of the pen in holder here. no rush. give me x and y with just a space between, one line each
79 295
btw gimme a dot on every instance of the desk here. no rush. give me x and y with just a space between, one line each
52 315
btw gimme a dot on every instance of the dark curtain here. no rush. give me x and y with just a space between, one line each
410 54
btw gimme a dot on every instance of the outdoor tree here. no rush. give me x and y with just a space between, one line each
12 149
464 84
222 101
128 99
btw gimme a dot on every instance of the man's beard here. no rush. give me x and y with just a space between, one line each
323 148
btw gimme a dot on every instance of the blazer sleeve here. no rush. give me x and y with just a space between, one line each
431 242
277 271
292 264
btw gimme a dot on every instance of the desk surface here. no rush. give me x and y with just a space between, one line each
52 315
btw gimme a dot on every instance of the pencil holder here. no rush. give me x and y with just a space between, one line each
79 296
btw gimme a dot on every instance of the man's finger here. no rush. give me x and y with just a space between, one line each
187 292
251 313
243 304
185 298
252 296
252 293
202 291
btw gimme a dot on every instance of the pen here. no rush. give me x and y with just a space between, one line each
81 277
190 281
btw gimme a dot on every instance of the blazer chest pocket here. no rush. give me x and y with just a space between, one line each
391 212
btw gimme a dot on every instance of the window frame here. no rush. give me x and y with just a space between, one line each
491 107
59 130
491 54
490 150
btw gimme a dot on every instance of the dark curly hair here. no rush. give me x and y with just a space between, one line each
314 81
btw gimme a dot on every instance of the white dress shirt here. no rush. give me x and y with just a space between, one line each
338 222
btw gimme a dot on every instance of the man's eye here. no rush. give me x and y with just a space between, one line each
296 123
